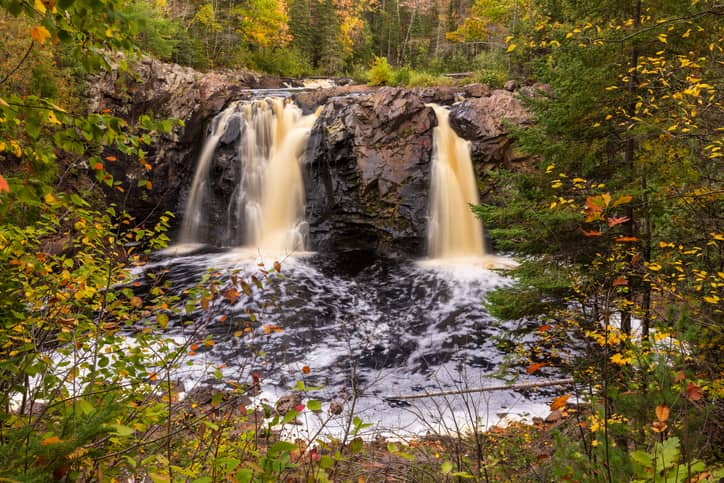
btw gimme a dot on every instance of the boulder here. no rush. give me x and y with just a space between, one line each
483 121
367 173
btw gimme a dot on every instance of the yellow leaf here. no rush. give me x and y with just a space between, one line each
712 300
511 48
662 38
3 103
49 198
39 6
717 236
52 119
40 34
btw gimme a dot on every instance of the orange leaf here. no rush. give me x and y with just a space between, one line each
590 233
693 392
111 158
544 327
617 220
560 402
40 34
232 295
626 239
50 440
622 200
306 370
4 186
277 266
136 302
662 412
534 367
98 166
618 281
680 376
659 427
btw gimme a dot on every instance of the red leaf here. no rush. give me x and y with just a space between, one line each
693 392
278 267
618 281
534 367
544 327
299 408
617 221
4 185
306 370
680 376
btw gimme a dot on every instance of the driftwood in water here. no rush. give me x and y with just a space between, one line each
528 385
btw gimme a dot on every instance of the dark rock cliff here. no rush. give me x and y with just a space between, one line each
367 163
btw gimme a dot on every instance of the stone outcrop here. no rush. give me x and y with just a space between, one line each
367 173
483 121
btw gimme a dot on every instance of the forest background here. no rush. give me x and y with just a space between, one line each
618 222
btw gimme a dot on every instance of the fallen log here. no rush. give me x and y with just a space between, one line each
527 385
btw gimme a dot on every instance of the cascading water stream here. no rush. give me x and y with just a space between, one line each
269 197
193 214
453 232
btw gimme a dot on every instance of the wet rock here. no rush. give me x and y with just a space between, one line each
310 100
483 120
336 407
536 90
163 90
554 417
367 173
510 85
288 402
477 90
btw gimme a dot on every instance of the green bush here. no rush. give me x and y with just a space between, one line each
380 73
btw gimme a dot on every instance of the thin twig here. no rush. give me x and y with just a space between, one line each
527 385
22 61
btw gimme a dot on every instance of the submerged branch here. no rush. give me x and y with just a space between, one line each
528 385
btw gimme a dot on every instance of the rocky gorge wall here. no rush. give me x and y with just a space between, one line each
367 162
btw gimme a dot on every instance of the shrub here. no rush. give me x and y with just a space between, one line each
380 73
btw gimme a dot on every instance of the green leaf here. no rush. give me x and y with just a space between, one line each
446 468
668 451
121 430
356 445
281 447
290 416
314 405
326 462
244 475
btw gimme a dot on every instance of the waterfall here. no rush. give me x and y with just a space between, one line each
269 197
453 229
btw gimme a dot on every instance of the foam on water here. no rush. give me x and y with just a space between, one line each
389 329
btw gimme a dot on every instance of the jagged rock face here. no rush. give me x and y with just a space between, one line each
367 173
482 121
163 91
367 163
